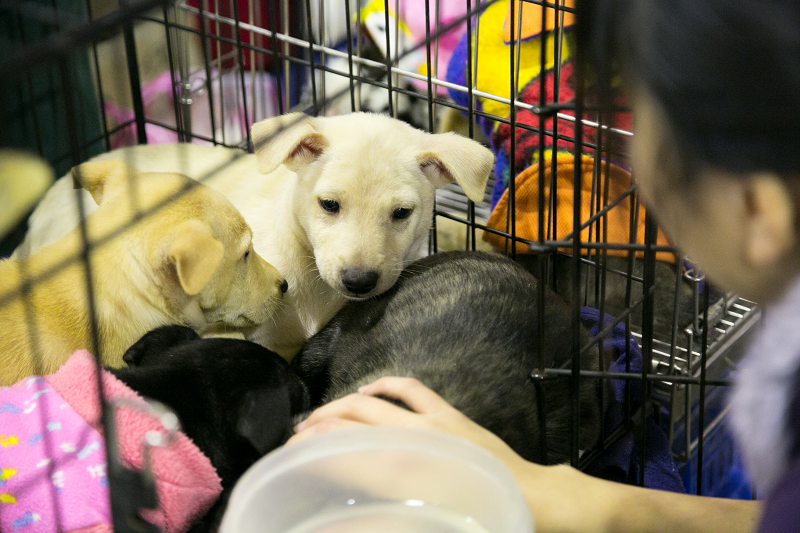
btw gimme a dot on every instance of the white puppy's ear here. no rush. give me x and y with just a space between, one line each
291 140
196 254
100 177
449 157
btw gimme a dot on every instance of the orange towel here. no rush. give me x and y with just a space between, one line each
527 207
531 19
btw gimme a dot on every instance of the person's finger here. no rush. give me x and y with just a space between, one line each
410 391
324 426
360 408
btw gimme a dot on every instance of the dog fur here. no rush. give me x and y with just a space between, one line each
190 262
371 167
465 324
235 399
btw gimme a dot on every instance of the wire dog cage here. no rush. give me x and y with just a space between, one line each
80 78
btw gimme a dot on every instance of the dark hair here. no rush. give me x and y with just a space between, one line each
726 72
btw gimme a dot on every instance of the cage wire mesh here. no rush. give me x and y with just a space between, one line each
81 78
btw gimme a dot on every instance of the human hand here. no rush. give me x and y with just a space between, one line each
553 493
562 499
429 411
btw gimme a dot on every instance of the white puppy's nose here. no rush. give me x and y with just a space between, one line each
359 280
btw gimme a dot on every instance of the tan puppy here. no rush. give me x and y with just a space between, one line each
190 262
338 204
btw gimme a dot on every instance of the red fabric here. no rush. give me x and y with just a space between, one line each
527 141
223 8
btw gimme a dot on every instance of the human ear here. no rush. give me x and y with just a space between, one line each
770 230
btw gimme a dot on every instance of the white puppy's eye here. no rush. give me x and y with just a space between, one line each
246 255
330 206
401 213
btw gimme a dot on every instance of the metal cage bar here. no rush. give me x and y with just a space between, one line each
697 351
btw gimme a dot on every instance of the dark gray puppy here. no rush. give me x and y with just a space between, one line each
465 324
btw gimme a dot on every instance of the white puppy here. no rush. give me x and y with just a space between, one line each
339 205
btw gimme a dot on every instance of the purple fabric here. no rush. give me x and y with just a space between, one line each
52 463
782 506
621 461
793 417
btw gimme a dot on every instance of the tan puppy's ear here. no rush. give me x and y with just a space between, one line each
450 157
196 254
287 139
98 177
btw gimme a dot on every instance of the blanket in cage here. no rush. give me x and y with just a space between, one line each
52 456
621 461
600 180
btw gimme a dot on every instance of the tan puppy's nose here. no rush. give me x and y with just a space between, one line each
284 286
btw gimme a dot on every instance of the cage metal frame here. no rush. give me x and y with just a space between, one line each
711 345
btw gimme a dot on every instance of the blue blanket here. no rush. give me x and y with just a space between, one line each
621 461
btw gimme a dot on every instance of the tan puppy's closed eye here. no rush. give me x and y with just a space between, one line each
196 254
170 257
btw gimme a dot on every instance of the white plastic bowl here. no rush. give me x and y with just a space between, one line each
378 480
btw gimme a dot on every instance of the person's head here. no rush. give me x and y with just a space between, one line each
715 90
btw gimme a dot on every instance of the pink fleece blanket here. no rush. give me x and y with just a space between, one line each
52 457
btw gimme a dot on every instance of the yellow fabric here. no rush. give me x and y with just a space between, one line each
527 207
493 56
377 6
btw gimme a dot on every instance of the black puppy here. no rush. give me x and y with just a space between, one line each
465 324
235 399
